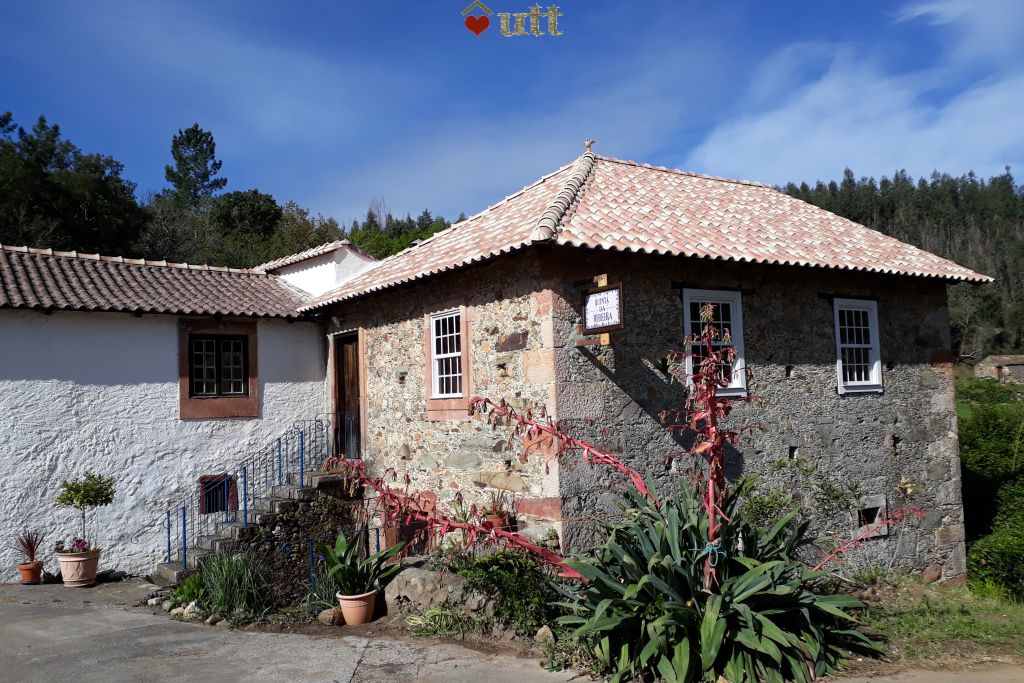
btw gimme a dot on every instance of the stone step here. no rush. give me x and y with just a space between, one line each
222 535
167 573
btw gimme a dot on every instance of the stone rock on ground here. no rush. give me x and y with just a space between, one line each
223 623
191 611
544 635
153 602
415 590
213 620
168 605
177 611
331 617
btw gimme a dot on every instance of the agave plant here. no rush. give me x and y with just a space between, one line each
353 573
646 609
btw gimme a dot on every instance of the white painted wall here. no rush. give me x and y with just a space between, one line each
99 391
325 272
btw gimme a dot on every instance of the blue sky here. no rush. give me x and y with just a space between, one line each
334 103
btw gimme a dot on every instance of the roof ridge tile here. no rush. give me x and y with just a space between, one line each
548 223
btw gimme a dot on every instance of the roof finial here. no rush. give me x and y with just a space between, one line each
587 144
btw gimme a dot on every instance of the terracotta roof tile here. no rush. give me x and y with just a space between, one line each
47 279
603 203
310 253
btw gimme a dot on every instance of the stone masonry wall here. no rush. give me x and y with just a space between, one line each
813 439
509 313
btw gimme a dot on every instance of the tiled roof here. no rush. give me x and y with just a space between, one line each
310 253
1004 360
66 280
604 203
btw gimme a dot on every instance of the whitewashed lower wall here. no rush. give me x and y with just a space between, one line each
99 391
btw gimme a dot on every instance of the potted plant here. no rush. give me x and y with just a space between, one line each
79 562
498 511
28 543
358 578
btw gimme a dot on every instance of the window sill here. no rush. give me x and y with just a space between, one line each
207 408
861 389
448 409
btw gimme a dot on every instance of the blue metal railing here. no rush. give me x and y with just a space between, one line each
217 501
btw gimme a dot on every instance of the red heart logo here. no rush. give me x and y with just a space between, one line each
477 24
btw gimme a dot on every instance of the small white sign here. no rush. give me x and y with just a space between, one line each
602 310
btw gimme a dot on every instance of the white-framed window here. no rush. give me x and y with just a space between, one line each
728 316
858 360
446 354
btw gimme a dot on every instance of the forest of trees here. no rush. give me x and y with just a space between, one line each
977 223
54 194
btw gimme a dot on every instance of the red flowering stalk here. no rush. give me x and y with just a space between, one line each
395 504
893 519
705 411
549 436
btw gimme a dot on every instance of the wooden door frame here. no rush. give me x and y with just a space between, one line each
333 340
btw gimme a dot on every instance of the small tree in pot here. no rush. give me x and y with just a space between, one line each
28 543
79 562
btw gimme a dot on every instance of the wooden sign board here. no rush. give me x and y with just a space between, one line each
602 309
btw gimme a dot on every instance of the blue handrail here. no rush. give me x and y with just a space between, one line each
304 447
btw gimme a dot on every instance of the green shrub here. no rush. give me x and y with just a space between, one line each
234 583
522 591
190 589
991 455
987 391
1010 505
998 558
645 605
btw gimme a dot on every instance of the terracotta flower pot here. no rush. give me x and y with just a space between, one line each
31 572
358 609
79 569
498 521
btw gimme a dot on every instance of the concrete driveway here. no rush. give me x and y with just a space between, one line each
50 633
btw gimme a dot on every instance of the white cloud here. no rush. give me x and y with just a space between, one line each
977 29
802 125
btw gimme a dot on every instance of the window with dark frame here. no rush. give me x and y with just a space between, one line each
218 365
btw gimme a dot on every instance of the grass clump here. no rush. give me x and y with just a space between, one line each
944 623
441 620
235 584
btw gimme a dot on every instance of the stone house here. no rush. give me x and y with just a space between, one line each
844 332
1002 368
169 374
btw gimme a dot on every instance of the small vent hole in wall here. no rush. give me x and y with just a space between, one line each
869 515
789 371
794 451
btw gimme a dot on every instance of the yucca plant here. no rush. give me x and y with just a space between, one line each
353 573
645 606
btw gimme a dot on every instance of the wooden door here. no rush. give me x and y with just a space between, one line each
346 382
